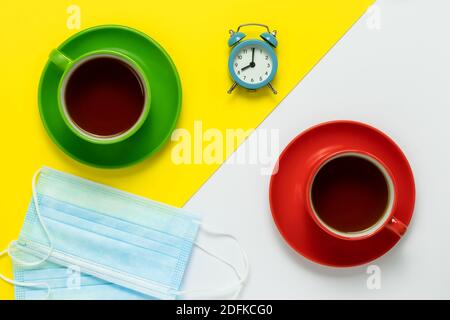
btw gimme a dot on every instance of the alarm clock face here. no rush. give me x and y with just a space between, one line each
253 64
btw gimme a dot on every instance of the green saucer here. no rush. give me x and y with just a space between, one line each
165 101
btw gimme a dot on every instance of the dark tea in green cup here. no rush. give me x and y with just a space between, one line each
104 96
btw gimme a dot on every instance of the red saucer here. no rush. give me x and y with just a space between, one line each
287 192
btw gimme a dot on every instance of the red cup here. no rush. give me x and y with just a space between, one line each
386 220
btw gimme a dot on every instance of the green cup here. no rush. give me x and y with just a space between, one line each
68 66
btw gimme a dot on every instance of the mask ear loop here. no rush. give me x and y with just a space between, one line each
13 245
242 277
25 284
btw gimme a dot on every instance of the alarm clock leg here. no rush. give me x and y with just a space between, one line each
272 88
232 88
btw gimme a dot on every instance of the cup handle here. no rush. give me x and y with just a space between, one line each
59 59
396 226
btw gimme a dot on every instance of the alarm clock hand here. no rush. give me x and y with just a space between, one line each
252 64
246 67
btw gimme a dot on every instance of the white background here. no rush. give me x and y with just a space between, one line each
396 79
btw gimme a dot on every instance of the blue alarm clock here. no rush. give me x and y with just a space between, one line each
252 63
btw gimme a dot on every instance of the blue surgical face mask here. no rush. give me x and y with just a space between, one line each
110 244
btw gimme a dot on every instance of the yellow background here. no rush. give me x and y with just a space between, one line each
195 34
